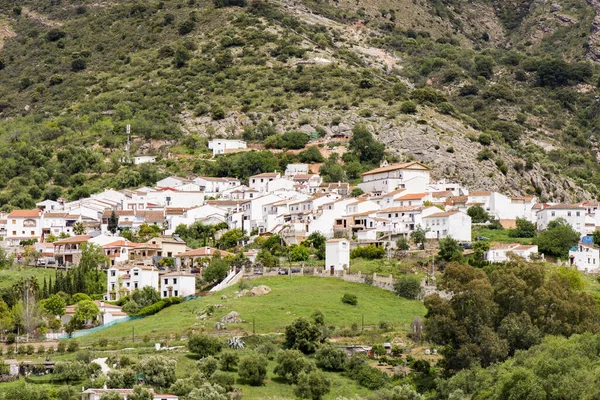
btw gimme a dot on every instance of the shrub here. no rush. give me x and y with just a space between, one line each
229 359
408 107
331 358
408 286
369 252
73 346
224 379
253 368
207 366
351 299
204 345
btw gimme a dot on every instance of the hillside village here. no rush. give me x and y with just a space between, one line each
390 202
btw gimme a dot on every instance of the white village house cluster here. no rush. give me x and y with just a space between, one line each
397 199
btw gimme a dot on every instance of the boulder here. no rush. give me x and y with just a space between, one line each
231 318
259 291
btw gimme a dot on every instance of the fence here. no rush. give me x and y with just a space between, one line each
383 282
97 328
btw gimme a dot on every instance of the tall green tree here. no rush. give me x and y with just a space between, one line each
113 223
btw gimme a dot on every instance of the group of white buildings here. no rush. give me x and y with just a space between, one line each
396 200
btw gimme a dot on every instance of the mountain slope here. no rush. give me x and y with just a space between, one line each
504 98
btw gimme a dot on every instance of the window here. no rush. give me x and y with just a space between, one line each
136 273
166 281
170 254
568 213
174 281
112 286
14 233
128 284
553 214
113 273
14 221
164 293
578 214
135 285
176 293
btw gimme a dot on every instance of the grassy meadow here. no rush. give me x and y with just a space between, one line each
271 313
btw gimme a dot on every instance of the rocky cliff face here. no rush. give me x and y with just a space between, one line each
446 144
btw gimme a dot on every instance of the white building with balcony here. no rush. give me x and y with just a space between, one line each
124 280
176 284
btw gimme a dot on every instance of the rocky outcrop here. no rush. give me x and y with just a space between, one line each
445 143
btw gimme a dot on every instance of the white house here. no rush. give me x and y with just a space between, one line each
124 280
23 225
586 257
222 146
294 169
49 205
412 176
172 182
216 185
574 214
259 182
337 254
176 284
499 252
137 160
454 224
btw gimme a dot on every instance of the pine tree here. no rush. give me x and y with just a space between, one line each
113 223
45 289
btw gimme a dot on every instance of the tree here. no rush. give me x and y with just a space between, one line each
111 396
401 392
313 385
183 386
145 296
86 310
316 240
311 155
253 368
478 214
298 253
331 358
450 249
490 317
356 192
208 391
408 286
290 363
159 371
70 371
79 228
229 359
140 393
418 236
216 270
367 149
231 239
55 305
113 223
121 378
302 335
524 229
207 366
557 239
402 244
204 345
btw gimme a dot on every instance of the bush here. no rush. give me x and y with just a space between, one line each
331 358
302 335
253 368
204 345
524 229
408 107
370 252
313 385
408 286
73 346
224 379
290 363
351 299
156 307
207 366
229 359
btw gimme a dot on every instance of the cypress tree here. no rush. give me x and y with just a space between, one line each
45 289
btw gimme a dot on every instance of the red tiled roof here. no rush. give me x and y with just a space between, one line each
24 214
74 240
204 252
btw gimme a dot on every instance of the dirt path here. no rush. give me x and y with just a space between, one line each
5 33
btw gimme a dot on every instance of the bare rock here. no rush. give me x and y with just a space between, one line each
259 291
231 318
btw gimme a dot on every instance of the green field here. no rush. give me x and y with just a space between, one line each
272 312
498 235
10 276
